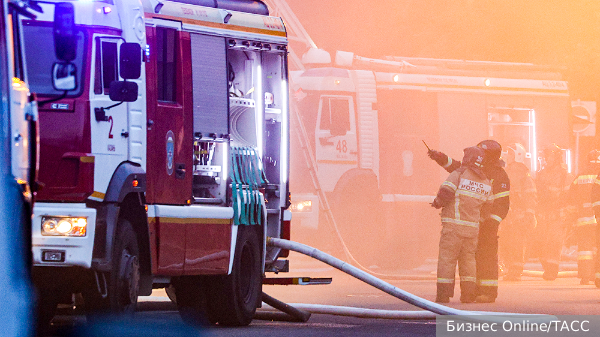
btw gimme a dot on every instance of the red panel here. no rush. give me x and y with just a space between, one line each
207 248
286 233
171 247
66 170
167 118
153 231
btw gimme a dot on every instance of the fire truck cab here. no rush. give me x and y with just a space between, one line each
169 166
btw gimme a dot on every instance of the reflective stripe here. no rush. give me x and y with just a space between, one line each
495 217
597 181
445 280
598 275
585 255
468 279
448 163
456 206
449 184
587 204
472 195
500 195
586 221
597 203
488 283
461 222
587 179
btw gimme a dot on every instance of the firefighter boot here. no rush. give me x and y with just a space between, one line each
585 271
444 292
467 291
550 271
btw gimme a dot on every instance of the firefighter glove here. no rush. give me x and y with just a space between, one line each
438 156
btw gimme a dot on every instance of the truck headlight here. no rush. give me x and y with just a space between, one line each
63 226
301 206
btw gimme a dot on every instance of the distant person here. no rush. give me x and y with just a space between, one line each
520 220
596 207
461 198
581 198
552 183
487 244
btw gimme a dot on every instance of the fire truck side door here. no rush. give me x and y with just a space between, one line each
336 143
169 106
108 127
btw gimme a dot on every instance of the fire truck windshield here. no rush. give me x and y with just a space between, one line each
39 57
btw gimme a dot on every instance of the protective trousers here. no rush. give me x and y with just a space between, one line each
487 260
550 234
586 243
597 262
512 243
458 243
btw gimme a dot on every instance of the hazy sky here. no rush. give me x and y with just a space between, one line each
563 33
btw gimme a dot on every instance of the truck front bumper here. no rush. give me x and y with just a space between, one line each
62 250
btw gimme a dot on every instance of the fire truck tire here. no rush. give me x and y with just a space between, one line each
122 282
47 302
234 299
171 293
192 292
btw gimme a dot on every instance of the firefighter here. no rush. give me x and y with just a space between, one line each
580 199
461 197
596 209
552 183
520 220
487 244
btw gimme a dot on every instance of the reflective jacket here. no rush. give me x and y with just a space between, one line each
552 185
580 199
500 190
596 196
523 196
462 196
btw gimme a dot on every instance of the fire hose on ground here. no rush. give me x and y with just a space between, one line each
300 312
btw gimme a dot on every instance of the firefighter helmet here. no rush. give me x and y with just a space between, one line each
492 150
552 154
519 152
473 156
594 157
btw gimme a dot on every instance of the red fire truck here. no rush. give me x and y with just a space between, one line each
169 165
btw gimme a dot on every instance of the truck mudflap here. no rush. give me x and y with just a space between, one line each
53 248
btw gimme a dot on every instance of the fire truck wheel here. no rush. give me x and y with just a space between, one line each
121 284
192 294
235 299
170 290
46 308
